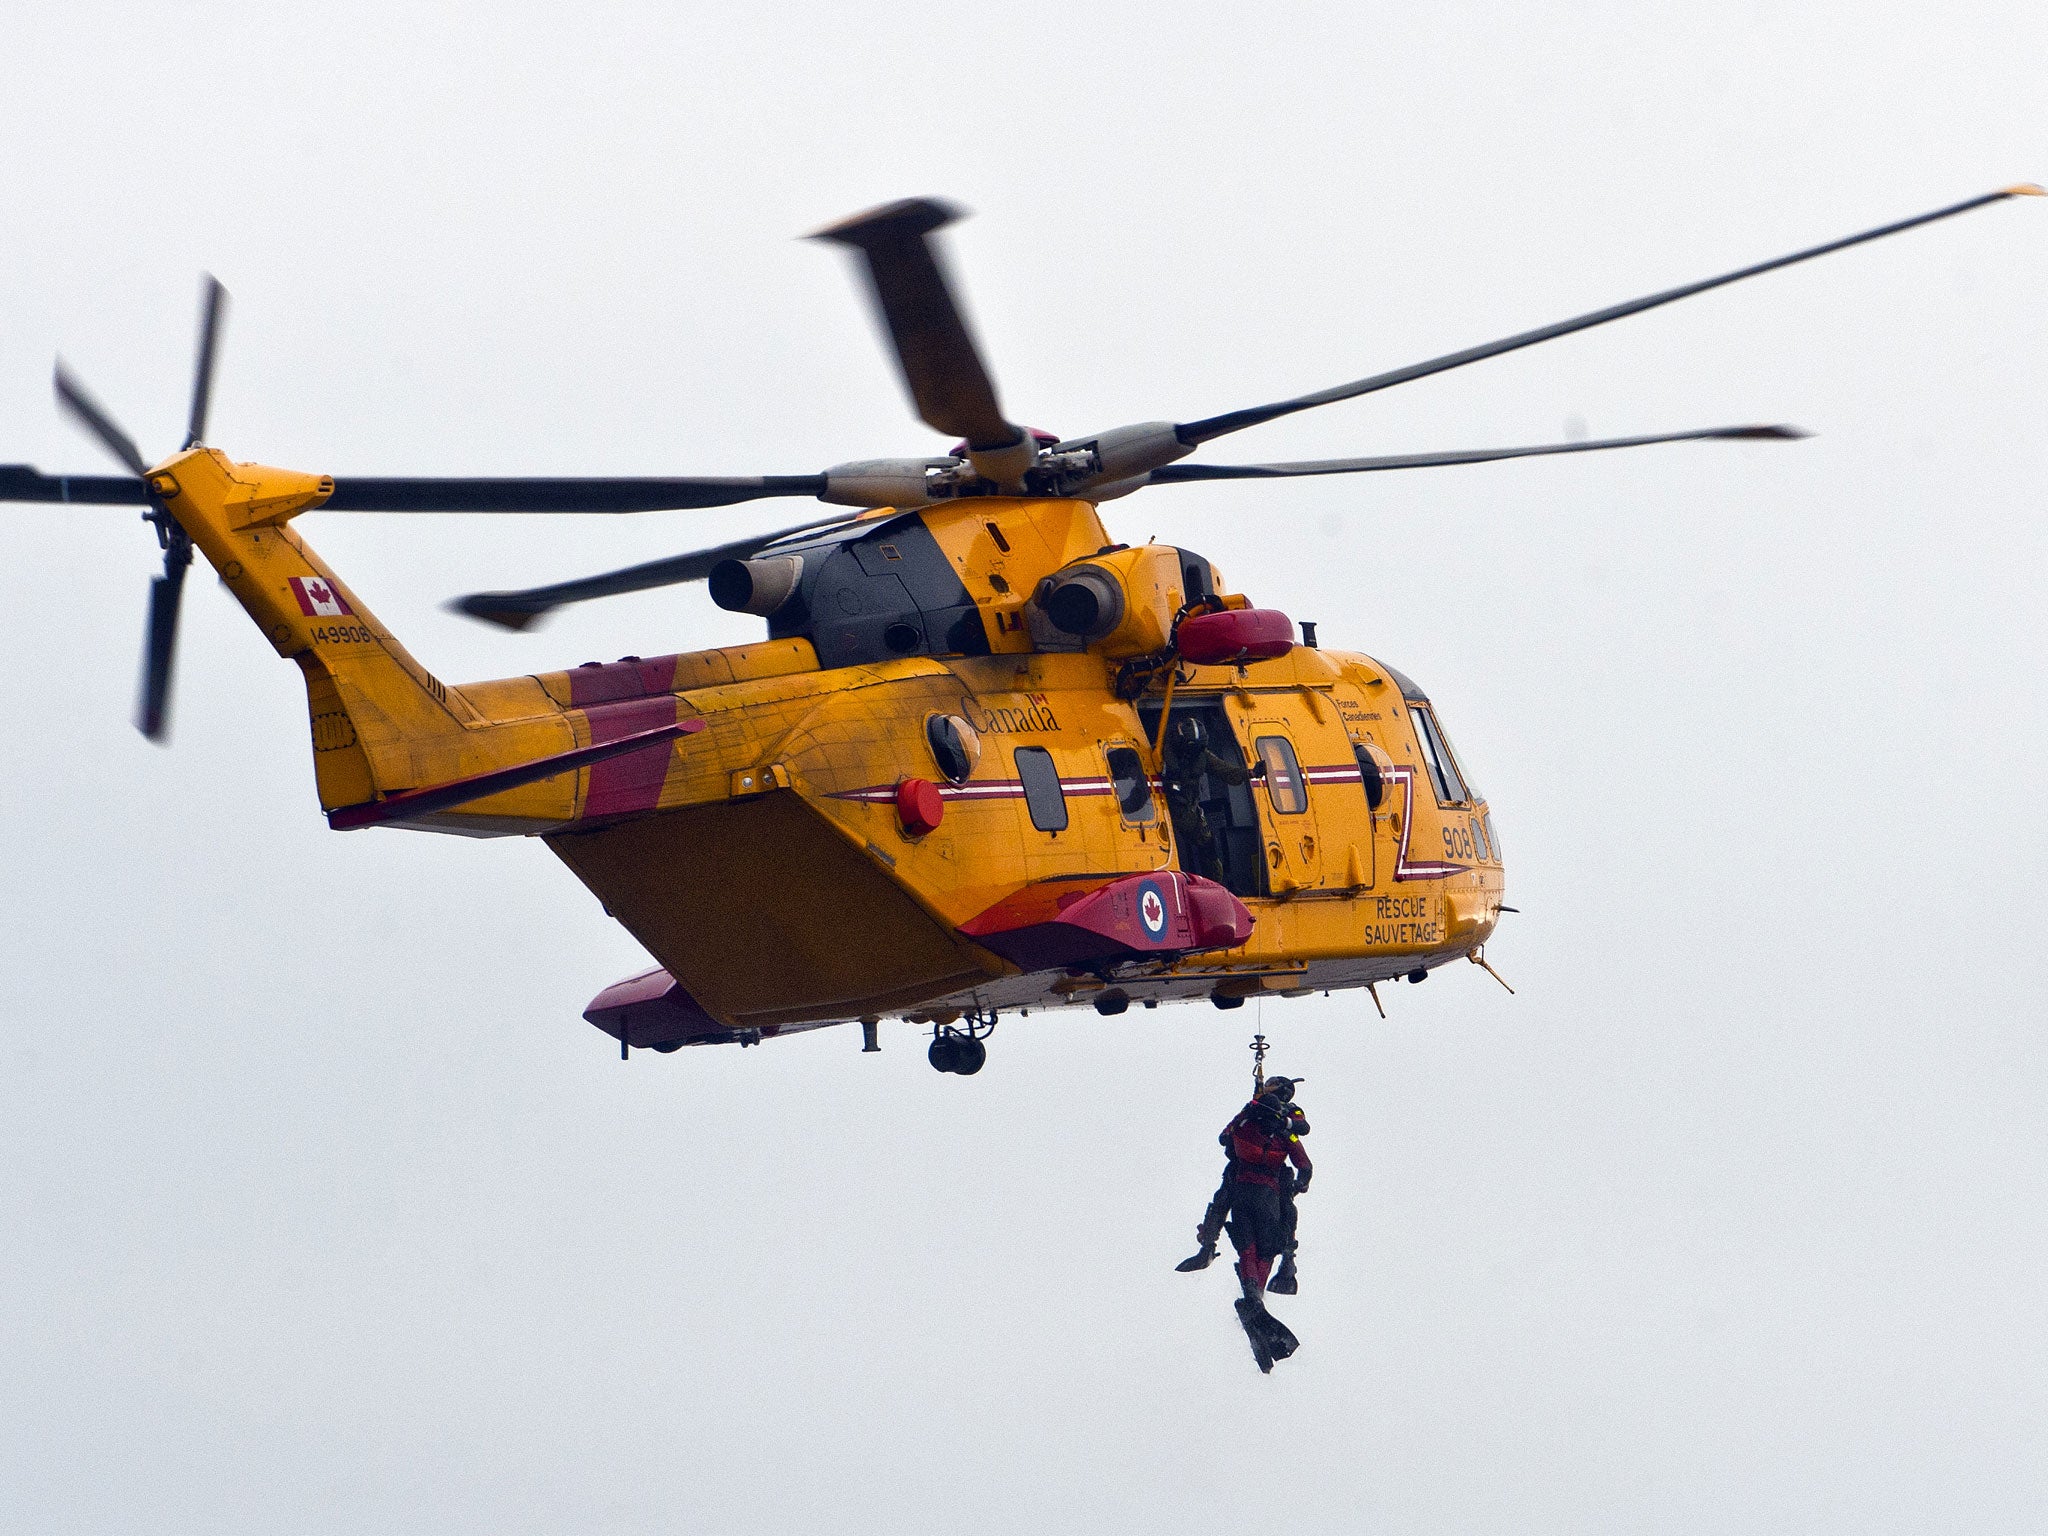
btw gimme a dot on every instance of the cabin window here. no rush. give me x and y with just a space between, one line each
1283 775
955 746
1369 776
1436 757
1042 792
1132 784
1492 837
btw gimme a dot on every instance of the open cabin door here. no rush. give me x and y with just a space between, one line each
1209 793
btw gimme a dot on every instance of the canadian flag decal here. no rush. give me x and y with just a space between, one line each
317 599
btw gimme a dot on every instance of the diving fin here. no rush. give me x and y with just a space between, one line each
1202 1260
1280 1339
1255 1318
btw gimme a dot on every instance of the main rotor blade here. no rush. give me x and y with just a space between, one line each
1203 431
369 493
75 398
520 610
213 305
941 364
153 709
24 482
1173 473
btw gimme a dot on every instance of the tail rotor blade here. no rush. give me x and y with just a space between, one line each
166 593
213 308
91 415
941 365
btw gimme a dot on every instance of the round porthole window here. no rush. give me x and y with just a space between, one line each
1372 771
956 746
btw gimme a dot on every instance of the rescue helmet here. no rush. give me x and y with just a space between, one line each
1188 735
1281 1088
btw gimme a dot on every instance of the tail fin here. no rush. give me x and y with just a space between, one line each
381 722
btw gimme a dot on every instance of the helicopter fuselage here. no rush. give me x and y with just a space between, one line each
779 882
979 807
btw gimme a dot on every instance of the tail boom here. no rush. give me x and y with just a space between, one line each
383 726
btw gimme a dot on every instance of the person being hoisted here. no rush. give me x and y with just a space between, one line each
1256 1197
1209 1230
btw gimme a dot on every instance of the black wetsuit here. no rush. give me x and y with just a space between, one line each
1257 1193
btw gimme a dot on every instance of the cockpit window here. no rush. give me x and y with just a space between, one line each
1132 784
1436 758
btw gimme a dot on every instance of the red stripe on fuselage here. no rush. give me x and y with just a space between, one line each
630 783
1328 773
631 678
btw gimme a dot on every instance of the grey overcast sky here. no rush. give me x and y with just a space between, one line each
322 1210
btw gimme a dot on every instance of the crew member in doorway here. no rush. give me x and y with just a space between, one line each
1188 760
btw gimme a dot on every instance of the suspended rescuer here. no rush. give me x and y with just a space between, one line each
1267 1166
1210 1229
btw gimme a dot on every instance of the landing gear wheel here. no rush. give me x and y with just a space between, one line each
665 1046
958 1047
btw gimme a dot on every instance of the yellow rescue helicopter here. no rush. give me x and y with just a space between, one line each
987 759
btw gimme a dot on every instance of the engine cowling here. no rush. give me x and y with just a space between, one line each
761 585
1122 603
